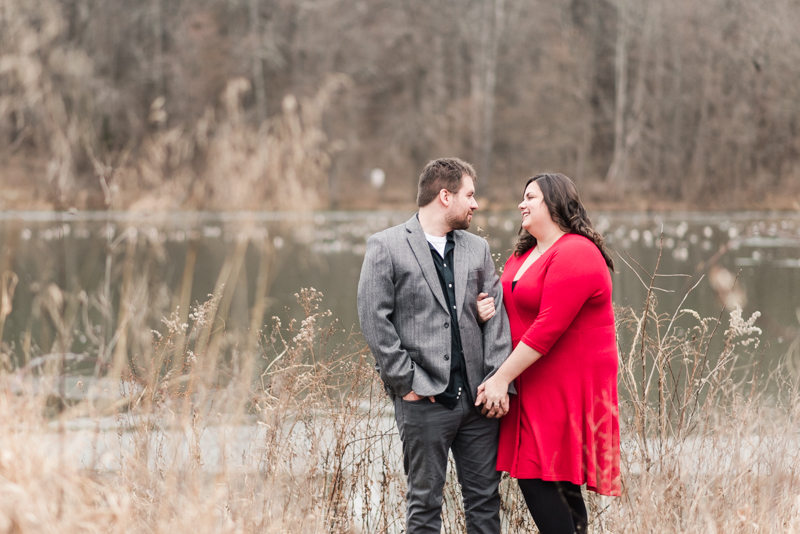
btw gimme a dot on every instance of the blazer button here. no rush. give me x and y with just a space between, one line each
447 325
446 357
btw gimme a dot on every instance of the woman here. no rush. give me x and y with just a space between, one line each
562 427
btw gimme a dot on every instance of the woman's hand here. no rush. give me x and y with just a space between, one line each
485 307
493 394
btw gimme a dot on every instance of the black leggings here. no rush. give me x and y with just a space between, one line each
556 507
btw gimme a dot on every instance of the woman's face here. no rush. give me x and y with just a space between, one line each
535 215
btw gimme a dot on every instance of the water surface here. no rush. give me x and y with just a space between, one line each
94 252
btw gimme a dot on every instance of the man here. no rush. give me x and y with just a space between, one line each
417 303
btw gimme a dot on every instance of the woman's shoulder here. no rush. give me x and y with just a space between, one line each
578 245
575 242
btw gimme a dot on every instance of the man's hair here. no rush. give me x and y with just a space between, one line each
444 173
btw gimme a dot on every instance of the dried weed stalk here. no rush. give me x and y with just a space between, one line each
297 435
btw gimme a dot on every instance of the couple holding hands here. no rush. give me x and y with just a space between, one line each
516 373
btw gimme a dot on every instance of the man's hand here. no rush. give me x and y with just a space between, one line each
498 410
493 394
413 397
486 308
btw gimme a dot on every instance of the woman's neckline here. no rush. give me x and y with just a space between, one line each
523 268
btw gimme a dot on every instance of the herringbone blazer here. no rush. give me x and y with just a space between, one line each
404 316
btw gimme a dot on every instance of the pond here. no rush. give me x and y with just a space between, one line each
78 275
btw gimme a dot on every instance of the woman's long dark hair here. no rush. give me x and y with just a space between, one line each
562 200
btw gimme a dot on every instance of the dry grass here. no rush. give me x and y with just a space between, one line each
295 434
291 437
709 437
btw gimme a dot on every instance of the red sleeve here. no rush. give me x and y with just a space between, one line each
573 275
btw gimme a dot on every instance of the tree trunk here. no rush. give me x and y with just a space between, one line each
628 125
259 87
697 173
615 173
484 82
676 149
490 84
477 77
158 35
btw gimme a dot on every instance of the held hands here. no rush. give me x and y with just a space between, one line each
493 394
485 307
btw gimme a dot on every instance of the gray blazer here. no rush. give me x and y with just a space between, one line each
404 316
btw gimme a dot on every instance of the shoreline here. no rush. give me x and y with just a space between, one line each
38 214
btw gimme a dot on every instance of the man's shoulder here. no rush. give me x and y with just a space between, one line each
389 234
471 240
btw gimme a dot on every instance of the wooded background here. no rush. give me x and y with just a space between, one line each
288 104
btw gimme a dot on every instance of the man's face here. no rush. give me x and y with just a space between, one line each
462 204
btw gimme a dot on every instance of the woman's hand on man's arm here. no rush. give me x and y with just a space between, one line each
486 308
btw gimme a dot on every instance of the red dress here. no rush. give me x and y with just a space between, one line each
563 423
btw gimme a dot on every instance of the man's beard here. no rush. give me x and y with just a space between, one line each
458 223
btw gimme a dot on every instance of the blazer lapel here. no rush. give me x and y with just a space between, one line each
460 268
422 251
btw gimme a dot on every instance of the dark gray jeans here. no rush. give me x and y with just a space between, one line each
428 431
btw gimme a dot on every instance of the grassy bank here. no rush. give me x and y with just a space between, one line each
292 434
